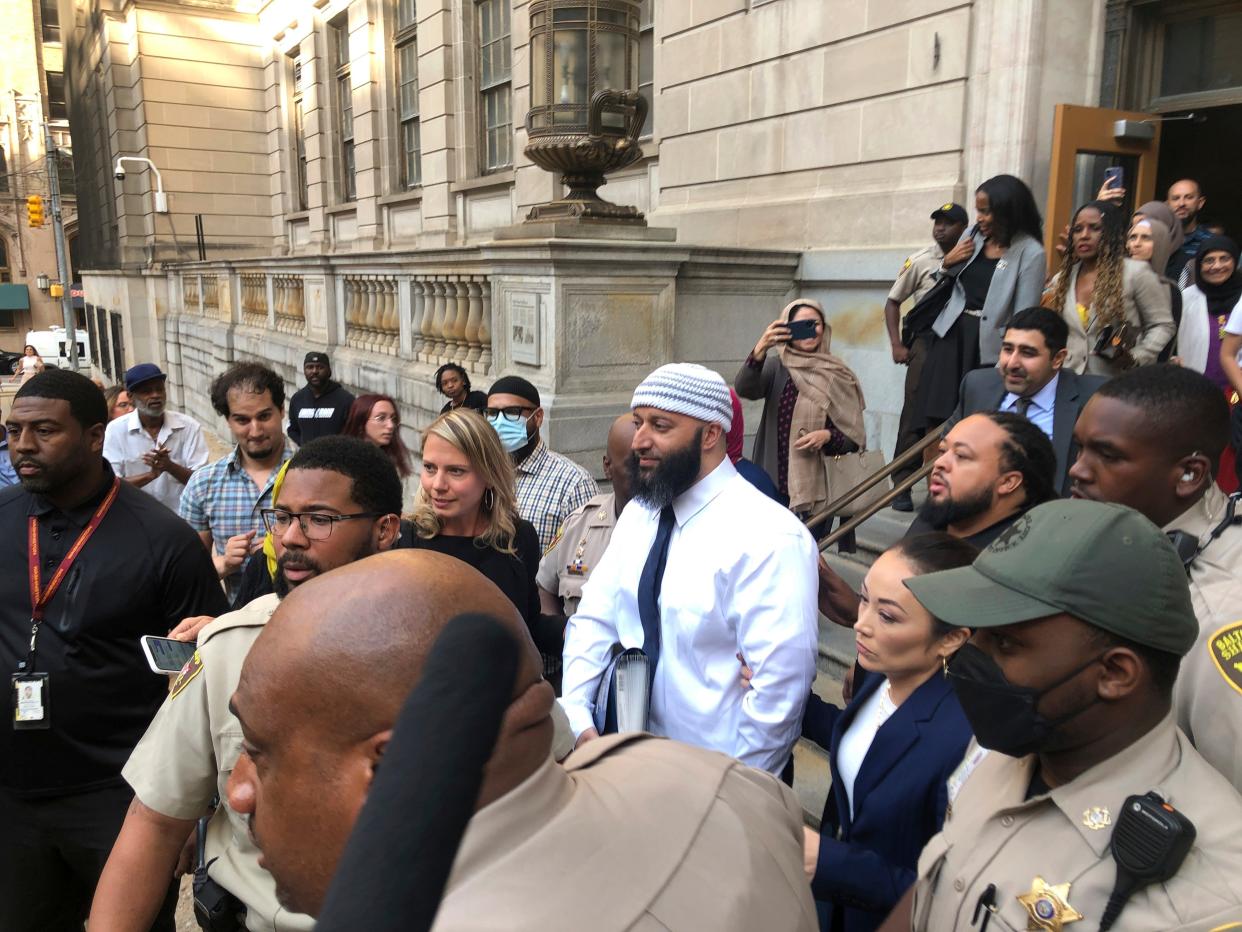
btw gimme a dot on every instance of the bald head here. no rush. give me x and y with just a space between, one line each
620 439
321 690
365 630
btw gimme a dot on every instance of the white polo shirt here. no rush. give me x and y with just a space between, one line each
126 442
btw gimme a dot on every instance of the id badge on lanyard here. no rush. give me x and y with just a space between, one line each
31 689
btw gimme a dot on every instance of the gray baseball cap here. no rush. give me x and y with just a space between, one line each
1104 564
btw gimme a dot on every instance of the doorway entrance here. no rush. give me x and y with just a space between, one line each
1204 147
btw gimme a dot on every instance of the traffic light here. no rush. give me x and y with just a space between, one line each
34 210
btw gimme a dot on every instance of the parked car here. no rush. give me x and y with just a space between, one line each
8 362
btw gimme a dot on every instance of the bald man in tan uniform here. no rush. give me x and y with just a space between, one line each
633 832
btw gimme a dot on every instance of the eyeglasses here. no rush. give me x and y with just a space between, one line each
385 419
516 413
314 525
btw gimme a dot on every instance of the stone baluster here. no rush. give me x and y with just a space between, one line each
440 304
418 309
299 306
474 319
392 320
427 324
485 328
454 320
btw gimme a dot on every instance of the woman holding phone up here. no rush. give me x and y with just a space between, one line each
813 404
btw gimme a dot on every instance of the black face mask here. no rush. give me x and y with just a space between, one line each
1003 716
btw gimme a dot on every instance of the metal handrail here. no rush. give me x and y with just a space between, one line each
914 452
904 486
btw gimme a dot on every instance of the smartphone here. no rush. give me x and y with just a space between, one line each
165 655
801 329
1114 177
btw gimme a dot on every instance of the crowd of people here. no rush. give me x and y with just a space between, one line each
1049 655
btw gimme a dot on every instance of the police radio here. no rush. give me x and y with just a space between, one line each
1149 843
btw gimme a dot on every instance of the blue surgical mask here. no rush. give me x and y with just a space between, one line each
512 433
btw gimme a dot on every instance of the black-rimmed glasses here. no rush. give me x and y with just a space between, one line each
515 413
315 525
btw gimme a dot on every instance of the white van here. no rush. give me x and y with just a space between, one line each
50 344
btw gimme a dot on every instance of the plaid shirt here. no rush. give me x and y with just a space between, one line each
223 500
550 488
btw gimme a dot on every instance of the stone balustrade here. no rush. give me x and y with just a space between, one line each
371 317
289 304
448 315
254 299
190 294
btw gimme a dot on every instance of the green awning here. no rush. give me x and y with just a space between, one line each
14 298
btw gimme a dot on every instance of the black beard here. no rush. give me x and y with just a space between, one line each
942 514
676 473
283 587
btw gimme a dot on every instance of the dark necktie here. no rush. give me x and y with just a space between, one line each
649 586
1022 405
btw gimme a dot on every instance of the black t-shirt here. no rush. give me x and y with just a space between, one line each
142 571
980 539
475 401
513 575
976 279
323 416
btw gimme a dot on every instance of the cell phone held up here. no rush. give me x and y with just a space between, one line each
1114 177
801 329
166 655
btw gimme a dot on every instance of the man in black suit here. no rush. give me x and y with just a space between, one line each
1029 380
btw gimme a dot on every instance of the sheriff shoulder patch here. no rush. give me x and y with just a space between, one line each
1225 646
192 668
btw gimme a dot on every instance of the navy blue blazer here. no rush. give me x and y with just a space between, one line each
866 864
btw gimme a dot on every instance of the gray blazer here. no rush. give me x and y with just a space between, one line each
1017 284
984 390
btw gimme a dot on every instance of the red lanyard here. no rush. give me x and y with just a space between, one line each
39 597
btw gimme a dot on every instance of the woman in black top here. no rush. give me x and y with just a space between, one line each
453 382
466 507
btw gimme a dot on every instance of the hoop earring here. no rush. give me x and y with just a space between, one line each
944 663
489 500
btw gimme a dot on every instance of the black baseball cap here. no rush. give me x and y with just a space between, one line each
954 213
321 358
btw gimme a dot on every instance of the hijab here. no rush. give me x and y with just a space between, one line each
1161 244
737 430
1222 298
827 389
1159 210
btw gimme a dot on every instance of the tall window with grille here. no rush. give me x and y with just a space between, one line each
344 105
405 47
495 84
646 62
301 188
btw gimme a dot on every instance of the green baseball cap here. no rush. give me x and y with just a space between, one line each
1104 564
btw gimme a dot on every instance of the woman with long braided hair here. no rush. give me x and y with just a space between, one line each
1119 313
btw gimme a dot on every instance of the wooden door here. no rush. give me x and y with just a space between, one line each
1084 143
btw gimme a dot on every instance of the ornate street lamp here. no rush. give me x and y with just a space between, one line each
586 113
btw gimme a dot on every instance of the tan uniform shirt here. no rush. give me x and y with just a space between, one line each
567 565
1208 695
634 833
917 275
1060 842
189 750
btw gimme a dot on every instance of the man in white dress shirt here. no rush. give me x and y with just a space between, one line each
152 448
738 577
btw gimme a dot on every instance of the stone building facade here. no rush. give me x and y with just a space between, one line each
352 162
33 93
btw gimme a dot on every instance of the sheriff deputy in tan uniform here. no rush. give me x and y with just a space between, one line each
192 744
915 279
1067 684
633 832
567 564
1152 440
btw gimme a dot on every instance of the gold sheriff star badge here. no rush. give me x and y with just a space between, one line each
1048 906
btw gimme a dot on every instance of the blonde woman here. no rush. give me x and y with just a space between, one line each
1118 311
466 507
